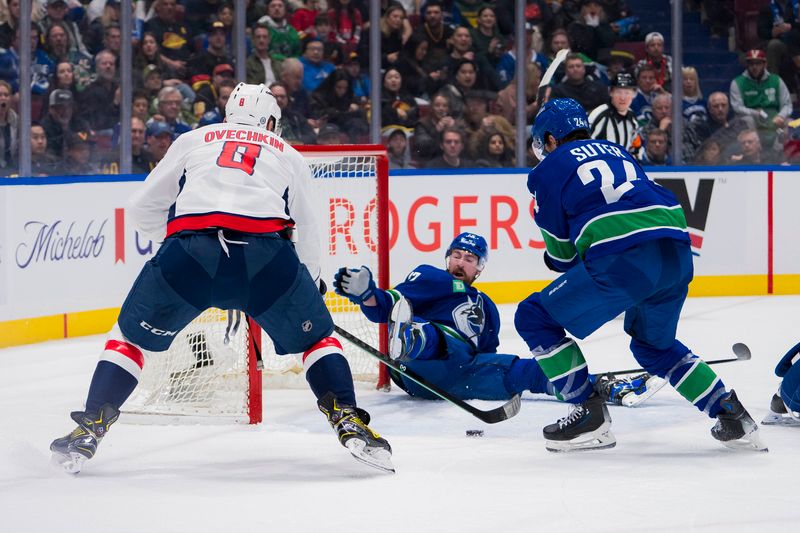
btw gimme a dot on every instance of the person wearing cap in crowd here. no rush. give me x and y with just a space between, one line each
208 93
616 61
656 58
152 81
78 155
159 137
397 149
587 92
171 35
56 12
615 121
202 64
61 120
763 96
260 66
329 134
315 68
358 79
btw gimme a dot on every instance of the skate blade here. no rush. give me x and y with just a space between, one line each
599 439
401 314
778 419
750 442
71 463
653 385
379 458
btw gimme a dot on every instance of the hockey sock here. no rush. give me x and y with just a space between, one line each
565 367
116 375
698 383
526 374
328 371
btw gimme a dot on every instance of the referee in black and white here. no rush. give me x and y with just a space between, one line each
615 121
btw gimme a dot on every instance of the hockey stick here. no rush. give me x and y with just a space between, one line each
492 416
547 77
740 350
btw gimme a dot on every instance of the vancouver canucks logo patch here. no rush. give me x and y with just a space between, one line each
458 286
470 318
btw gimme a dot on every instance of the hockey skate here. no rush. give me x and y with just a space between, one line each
350 425
628 392
735 428
779 415
74 449
586 427
401 329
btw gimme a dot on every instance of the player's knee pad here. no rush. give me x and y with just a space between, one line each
121 352
790 387
658 361
535 325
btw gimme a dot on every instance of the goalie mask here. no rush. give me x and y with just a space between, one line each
254 105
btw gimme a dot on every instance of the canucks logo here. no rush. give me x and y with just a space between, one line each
469 319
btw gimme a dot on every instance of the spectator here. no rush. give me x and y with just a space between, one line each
428 130
346 23
112 40
96 33
398 107
9 131
169 112
537 14
58 50
148 53
208 93
662 119
694 105
464 80
172 37
333 102
436 33
139 160
656 148
397 150
315 68
452 146
591 33
332 47
476 109
656 58
709 153
750 150
506 103
141 103
779 26
493 150
763 96
722 125
615 121
616 62
98 101
10 22
419 82
463 49
43 163
559 40
152 82
304 17
56 12
159 139
216 115
589 93
329 134
506 64
469 11
78 154
358 80
284 40
41 66
486 36
292 78
646 90
296 129
61 121
203 64
63 78
720 16
393 27
260 66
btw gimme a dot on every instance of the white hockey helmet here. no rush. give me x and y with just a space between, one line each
254 105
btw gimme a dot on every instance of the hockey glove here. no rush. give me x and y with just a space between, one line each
355 284
323 288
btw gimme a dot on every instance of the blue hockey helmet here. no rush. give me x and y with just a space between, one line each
472 243
559 118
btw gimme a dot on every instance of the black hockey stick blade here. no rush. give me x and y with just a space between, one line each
492 416
740 350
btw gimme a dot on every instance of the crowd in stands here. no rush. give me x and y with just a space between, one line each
448 93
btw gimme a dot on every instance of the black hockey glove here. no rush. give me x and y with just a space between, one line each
355 284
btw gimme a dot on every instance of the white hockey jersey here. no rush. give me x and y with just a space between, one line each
230 176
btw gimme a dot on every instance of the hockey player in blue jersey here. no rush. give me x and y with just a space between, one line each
621 242
225 200
447 331
784 409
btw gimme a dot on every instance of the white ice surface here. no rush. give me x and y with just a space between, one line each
289 474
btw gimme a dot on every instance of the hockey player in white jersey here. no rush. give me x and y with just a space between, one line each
225 201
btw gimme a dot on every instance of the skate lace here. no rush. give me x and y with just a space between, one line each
575 413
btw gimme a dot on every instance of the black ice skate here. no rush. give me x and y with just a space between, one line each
350 425
630 391
779 415
72 450
586 427
735 428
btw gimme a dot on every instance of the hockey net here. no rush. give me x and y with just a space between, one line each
213 373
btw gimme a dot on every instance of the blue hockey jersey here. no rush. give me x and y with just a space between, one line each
593 199
456 308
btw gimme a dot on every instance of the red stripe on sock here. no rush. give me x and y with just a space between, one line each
128 350
327 342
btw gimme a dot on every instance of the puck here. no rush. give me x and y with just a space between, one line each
474 433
